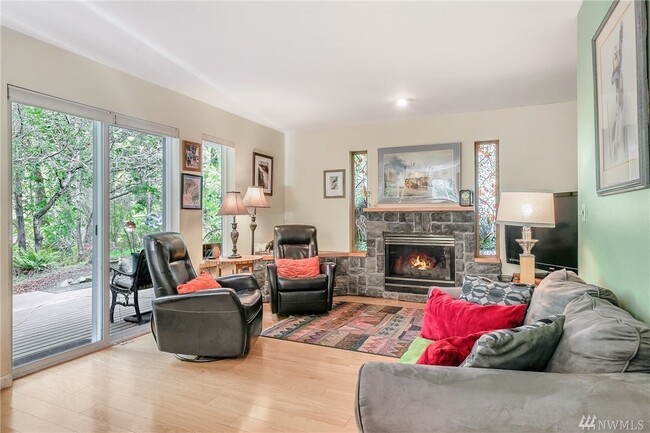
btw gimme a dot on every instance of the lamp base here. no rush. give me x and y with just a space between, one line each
234 236
527 265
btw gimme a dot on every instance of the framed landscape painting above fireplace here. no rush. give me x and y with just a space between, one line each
424 174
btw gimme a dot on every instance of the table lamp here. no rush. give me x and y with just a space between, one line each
254 198
526 209
233 205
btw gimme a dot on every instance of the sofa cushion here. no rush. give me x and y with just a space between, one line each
445 316
557 290
449 351
481 290
527 347
600 337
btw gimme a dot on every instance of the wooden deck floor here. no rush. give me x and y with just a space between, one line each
281 386
48 323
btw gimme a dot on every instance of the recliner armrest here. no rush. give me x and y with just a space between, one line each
239 282
205 300
272 277
329 269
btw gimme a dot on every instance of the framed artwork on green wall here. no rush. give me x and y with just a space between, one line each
621 99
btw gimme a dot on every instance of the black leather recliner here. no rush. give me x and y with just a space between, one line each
299 295
216 323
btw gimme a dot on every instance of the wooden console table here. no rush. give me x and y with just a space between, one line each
241 264
538 278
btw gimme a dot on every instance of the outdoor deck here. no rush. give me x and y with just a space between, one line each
48 322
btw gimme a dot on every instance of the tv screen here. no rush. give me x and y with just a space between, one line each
557 248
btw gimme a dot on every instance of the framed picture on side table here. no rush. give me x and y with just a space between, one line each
263 172
191 191
191 156
621 91
334 183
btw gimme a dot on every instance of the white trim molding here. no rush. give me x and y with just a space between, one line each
6 381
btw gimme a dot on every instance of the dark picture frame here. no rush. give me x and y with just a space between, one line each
619 51
191 156
426 174
191 191
334 183
263 172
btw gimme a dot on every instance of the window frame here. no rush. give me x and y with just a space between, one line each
352 197
477 249
227 148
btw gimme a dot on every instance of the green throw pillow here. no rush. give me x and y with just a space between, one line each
417 347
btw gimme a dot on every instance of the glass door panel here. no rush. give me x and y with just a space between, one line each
136 208
52 208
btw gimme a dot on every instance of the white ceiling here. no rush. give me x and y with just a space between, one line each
298 66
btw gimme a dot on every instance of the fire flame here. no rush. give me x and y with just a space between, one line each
421 263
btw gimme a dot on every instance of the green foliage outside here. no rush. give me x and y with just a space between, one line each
360 182
486 155
31 260
52 187
212 158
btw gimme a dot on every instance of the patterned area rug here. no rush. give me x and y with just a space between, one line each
370 328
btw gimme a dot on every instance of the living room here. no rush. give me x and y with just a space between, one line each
549 145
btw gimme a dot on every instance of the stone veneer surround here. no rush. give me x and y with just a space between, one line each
365 275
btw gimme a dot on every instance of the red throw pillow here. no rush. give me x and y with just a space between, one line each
298 268
451 351
446 316
205 281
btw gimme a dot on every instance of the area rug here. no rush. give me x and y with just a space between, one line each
371 328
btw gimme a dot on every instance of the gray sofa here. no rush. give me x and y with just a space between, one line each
585 396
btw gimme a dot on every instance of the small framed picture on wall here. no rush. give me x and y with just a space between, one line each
334 183
191 156
191 191
263 172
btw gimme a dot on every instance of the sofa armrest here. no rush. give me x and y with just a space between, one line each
416 398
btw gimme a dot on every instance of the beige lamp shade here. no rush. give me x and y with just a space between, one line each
532 209
255 197
233 205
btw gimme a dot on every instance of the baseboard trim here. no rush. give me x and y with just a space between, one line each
6 381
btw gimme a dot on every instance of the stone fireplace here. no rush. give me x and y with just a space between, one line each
413 263
371 275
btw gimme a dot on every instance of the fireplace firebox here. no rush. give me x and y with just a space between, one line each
415 262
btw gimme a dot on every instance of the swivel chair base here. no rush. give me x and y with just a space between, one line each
197 358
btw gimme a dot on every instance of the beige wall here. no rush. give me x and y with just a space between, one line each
37 66
537 150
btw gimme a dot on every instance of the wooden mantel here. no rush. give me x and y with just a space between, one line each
420 208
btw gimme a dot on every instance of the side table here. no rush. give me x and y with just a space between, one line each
241 264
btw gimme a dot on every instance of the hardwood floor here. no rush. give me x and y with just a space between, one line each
281 386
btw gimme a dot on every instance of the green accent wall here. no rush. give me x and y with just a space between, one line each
614 241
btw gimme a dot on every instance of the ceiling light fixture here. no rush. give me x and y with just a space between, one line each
402 102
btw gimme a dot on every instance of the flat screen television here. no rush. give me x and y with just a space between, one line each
557 247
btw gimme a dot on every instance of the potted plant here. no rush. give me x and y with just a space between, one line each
131 237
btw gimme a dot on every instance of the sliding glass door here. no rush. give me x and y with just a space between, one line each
87 185
55 289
